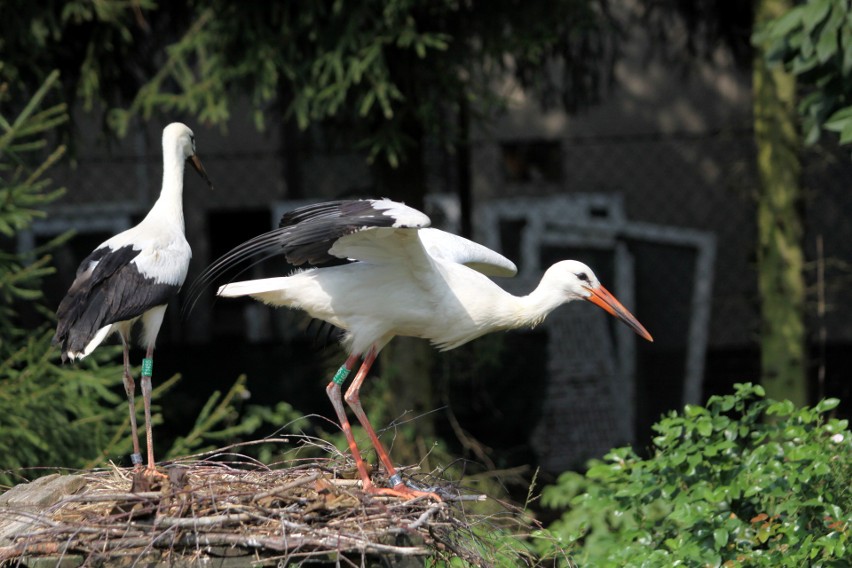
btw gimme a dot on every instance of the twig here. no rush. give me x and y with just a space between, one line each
339 543
287 487
104 497
465 498
424 517
199 522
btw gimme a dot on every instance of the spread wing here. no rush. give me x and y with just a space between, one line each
460 250
369 230
307 235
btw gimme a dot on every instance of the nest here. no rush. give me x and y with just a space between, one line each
240 512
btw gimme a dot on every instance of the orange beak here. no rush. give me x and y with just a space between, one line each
601 297
196 163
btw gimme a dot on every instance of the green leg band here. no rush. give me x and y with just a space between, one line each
147 367
340 376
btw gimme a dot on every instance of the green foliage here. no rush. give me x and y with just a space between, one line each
814 42
743 481
393 69
48 414
220 422
93 44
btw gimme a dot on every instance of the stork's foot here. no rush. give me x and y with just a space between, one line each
152 472
401 490
147 478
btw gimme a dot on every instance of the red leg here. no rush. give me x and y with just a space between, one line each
146 398
333 391
130 389
354 400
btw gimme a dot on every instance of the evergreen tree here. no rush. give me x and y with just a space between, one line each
50 415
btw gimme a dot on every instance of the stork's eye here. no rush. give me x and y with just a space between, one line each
583 277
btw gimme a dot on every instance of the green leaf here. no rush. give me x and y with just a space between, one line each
764 532
814 12
787 22
827 46
783 408
827 404
705 427
720 538
839 119
846 133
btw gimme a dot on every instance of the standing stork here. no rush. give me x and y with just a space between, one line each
380 272
131 277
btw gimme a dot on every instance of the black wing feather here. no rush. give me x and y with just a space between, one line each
303 236
111 292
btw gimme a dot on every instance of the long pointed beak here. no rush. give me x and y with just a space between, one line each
601 297
196 163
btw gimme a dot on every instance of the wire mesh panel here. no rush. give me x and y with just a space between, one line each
594 362
579 420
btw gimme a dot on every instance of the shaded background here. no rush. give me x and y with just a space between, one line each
653 187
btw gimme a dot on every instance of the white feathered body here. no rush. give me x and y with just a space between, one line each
132 275
400 277
440 300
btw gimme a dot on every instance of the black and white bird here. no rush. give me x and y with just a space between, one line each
131 277
380 272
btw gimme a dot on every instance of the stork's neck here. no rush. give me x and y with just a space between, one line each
536 305
169 206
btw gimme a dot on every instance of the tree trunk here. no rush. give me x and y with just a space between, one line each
779 225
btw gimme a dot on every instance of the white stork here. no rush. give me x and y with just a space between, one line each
132 277
379 272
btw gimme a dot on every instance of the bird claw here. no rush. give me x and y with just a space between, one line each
405 489
149 473
402 490
153 472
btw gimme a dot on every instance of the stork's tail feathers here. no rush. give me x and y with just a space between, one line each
74 349
251 287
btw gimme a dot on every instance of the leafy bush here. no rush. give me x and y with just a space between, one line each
744 481
812 40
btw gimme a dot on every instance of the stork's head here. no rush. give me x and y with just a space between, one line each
578 281
178 137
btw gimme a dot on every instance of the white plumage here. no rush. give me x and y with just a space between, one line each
380 272
132 276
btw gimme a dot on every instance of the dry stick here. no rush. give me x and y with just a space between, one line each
102 497
345 482
325 534
450 498
34 517
227 539
9 552
287 486
57 531
468 442
191 522
424 517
